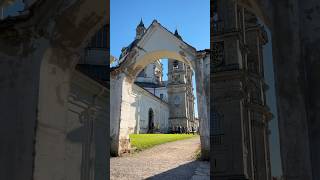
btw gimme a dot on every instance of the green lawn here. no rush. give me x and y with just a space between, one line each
144 141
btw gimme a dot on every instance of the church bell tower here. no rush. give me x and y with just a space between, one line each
140 30
180 96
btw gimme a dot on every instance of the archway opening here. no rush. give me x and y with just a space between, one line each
167 86
140 85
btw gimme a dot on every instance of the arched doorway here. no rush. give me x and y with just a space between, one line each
151 121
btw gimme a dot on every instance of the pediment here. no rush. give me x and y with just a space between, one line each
158 38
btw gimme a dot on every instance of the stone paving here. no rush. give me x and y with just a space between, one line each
170 161
202 172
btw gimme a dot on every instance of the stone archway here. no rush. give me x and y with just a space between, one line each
121 82
156 43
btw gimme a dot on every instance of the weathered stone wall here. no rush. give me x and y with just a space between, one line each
19 81
295 46
309 14
115 111
38 51
202 76
88 121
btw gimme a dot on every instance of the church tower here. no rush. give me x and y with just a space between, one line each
140 30
181 99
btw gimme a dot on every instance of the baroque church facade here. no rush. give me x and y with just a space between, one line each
240 113
162 106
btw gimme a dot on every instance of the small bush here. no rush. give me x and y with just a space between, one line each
197 155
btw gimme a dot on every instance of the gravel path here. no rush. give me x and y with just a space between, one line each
167 161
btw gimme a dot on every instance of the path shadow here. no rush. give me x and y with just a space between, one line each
182 172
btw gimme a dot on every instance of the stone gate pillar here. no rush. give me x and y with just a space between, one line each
295 50
202 76
120 112
229 114
19 86
257 111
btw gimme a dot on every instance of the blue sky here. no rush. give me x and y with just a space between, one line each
275 156
12 9
190 17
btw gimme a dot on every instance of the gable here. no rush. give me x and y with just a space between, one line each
156 43
158 38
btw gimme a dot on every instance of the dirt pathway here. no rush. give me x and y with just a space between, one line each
172 160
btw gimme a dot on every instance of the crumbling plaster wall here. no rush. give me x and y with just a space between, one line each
38 51
87 126
202 76
115 111
121 114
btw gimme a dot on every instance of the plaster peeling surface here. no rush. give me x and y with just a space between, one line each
115 99
79 14
202 71
87 128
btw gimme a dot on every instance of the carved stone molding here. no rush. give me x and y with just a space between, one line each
218 54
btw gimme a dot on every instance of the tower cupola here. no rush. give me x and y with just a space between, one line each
177 34
140 30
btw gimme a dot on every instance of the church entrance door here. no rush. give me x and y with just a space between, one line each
151 121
